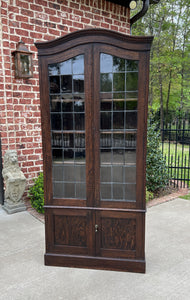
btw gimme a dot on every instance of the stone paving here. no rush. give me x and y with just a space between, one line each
23 275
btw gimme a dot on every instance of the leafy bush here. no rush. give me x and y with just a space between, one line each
149 195
36 194
156 170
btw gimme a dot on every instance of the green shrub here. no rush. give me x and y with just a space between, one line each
36 194
149 195
156 169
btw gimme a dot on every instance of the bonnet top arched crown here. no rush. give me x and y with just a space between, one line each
96 35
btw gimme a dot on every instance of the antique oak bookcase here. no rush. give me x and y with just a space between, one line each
94 91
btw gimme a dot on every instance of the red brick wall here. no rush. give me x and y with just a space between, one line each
31 21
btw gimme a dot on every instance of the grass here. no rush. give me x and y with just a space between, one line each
181 150
186 197
175 157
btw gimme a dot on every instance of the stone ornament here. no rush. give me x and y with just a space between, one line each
15 183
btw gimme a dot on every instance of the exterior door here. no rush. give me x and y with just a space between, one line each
94 104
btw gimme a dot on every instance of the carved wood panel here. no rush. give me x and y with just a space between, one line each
118 234
70 230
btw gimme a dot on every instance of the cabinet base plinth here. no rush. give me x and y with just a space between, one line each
89 262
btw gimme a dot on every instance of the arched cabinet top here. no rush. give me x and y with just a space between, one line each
101 36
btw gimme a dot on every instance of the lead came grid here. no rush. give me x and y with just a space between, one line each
67 106
118 127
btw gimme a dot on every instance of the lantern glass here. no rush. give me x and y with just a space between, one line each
25 64
23 61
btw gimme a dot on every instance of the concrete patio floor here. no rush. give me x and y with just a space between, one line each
23 275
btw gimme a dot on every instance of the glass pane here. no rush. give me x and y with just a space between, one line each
118 124
130 140
118 101
78 83
105 191
79 103
118 191
54 82
53 69
68 140
130 174
58 189
105 173
68 121
81 190
106 63
69 190
118 156
118 64
79 121
55 102
130 192
106 82
66 67
79 141
69 155
56 121
105 156
131 105
67 106
78 64
106 105
105 120
118 120
130 157
57 172
118 140
132 65
56 139
69 172
66 84
131 95
68 128
25 64
119 82
131 120
105 140
80 173
132 81
80 156
57 155
117 173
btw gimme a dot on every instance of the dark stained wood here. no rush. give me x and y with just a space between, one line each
95 35
102 263
91 233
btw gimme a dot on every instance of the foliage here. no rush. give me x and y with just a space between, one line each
149 195
36 194
156 170
169 23
186 197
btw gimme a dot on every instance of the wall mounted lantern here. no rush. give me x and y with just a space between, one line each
23 61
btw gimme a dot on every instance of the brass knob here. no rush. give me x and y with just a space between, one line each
96 228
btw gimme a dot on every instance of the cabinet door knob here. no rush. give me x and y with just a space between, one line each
96 228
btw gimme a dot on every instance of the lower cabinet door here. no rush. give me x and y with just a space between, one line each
120 234
95 238
69 231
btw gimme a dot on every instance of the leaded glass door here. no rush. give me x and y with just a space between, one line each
67 109
118 127
94 88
